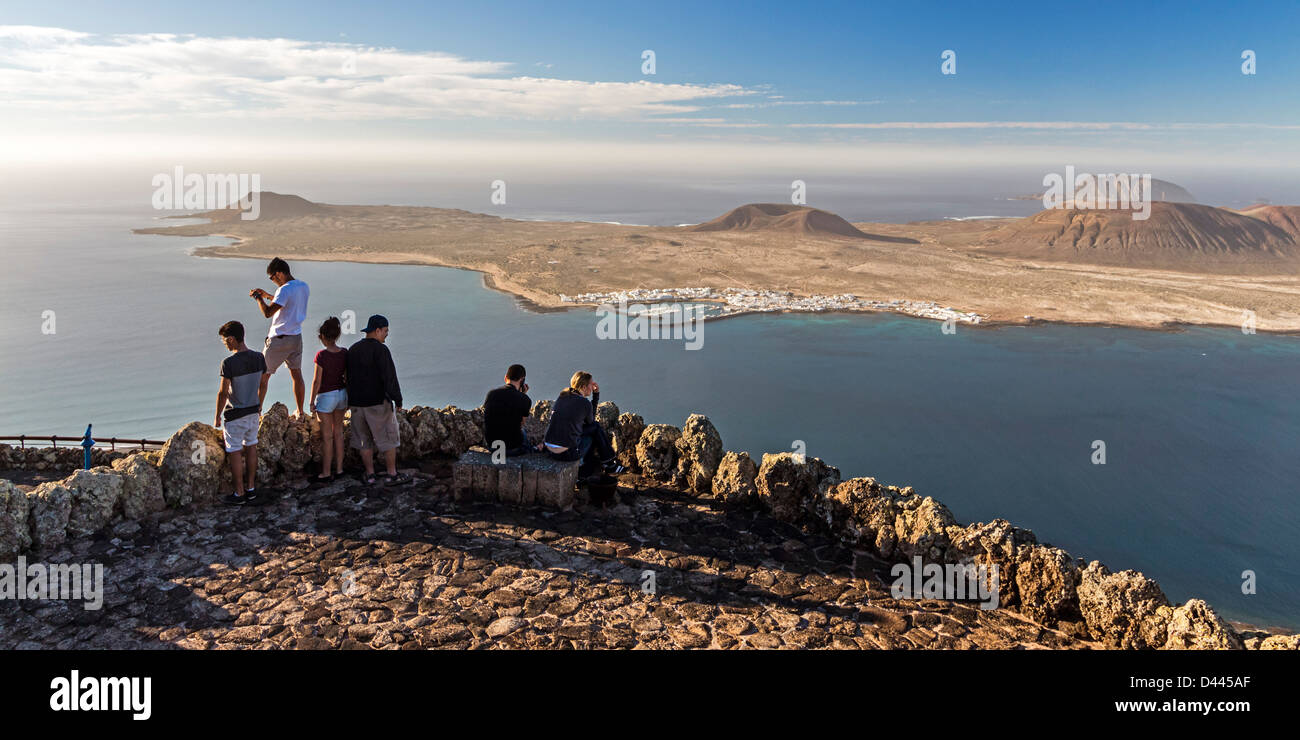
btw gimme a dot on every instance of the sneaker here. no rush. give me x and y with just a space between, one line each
235 499
613 468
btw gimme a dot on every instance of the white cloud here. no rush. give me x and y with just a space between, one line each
51 71
32 34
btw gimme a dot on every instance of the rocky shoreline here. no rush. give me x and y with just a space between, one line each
1072 603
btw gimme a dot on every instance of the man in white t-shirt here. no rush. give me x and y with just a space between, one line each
286 309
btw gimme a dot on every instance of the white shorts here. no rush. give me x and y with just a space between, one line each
240 433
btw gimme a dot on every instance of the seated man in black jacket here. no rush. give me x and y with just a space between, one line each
504 412
574 433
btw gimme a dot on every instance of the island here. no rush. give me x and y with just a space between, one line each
1188 264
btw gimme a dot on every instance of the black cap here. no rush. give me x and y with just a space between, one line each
375 323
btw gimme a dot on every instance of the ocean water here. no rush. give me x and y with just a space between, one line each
1201 427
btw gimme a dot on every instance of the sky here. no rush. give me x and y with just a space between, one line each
842 86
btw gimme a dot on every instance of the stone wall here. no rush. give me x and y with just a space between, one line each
1121 610
54 459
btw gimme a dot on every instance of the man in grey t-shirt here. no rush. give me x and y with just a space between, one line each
239 409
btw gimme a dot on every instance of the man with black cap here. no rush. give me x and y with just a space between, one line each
375 398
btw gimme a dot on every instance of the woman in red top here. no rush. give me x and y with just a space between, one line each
329 399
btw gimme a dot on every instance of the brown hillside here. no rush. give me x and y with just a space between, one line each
779 217
1183 236
1286 218
273 205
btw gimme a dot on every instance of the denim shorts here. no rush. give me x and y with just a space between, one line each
332 401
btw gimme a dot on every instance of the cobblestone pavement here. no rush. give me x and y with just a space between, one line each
409 568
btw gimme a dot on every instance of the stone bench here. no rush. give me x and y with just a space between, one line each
527 480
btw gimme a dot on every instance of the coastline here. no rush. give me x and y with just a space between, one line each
542 303
946 270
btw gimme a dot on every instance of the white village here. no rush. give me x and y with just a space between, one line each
737 301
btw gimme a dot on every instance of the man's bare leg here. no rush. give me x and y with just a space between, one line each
390 460
251 456
368 460
299 387
237 471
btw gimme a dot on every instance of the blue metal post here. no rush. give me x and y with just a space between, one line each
87 444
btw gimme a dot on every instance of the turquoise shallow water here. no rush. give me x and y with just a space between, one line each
1202 427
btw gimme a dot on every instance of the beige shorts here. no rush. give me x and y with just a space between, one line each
287 350
374 427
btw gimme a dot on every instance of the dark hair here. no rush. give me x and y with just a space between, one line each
232 329
278 265
515 372
330 329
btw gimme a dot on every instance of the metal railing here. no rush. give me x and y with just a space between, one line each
86 442
112 443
